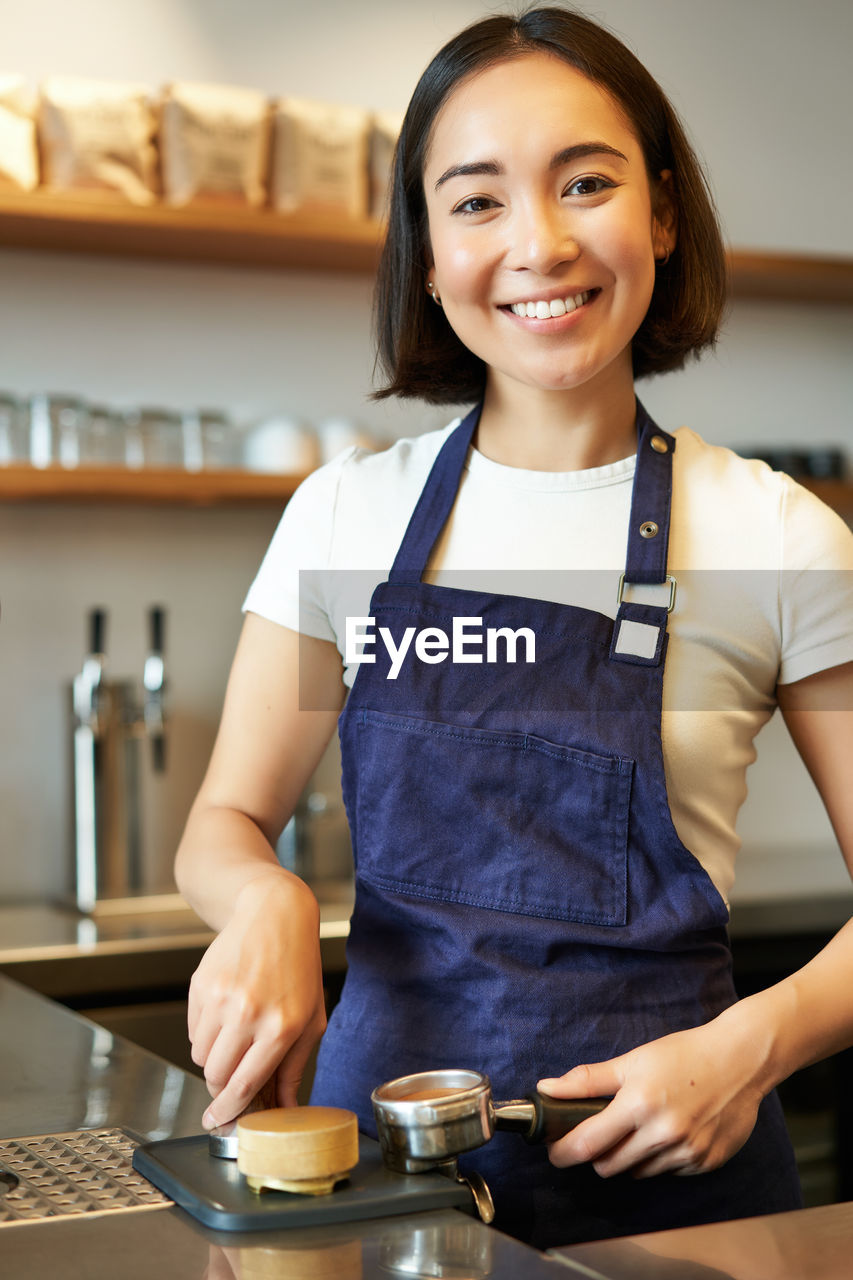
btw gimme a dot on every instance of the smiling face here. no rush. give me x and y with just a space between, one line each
542 236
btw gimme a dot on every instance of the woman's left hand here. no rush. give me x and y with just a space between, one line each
682 1104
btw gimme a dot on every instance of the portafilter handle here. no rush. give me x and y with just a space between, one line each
541 1118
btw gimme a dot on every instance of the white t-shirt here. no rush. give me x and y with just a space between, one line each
764 576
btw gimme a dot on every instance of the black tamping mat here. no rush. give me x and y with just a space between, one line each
216 1193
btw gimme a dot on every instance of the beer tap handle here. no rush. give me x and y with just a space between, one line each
88 683
97 631
156 623
154 681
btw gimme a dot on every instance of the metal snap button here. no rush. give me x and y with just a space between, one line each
659 444
648 529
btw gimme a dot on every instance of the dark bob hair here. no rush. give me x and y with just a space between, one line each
418 352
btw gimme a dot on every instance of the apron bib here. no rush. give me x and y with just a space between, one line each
523 901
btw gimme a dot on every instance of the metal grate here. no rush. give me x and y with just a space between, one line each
60 1174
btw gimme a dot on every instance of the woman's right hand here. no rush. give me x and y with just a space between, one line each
256 1000
256 1007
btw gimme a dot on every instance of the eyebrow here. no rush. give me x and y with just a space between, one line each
493 169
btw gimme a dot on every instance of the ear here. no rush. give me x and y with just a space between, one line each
429 269
664 217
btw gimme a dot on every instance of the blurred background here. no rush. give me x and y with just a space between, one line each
766 93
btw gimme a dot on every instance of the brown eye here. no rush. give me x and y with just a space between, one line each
475 204
590 186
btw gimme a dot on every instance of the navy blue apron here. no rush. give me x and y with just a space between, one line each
523 902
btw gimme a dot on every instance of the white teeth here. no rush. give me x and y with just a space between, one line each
545 310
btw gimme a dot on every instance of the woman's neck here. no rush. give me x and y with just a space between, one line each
540 430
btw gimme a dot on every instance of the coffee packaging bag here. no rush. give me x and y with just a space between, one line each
19 162
319 157
384 131
214 144
98 135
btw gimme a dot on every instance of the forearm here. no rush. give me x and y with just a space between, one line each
265 752
809 1015
223 851
802 1019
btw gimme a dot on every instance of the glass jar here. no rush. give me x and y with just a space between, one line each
131 434
102 439
57 423
211 440
219 440
14 432
154 438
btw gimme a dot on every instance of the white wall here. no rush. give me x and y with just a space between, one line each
764 85
766 91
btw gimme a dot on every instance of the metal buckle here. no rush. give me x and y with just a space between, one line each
669 578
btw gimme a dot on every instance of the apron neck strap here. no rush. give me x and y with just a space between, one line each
435 503
648 532
651 503
639 632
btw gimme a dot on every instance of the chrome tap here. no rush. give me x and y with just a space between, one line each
88 730
109 719
89 681
154 684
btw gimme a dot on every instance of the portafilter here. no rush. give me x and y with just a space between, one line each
431 1117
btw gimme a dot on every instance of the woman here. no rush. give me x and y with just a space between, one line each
542 767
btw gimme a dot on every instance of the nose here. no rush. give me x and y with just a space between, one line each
542 238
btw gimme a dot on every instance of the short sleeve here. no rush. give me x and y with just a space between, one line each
302 541
816 586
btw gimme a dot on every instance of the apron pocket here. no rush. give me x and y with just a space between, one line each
506 821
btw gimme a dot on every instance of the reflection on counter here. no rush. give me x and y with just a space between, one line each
814 1244
438 1249
156 1088
447 1244
339 1260
59 1073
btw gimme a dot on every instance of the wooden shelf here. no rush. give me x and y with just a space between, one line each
118 484
215 234
219 488
837 494
790 277
105 224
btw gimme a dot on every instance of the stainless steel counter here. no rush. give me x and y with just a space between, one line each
60 953
813 1244
789 917
59 1072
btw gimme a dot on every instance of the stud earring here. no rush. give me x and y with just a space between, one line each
432 293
